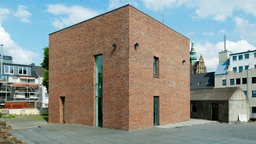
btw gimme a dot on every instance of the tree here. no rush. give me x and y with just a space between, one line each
45 64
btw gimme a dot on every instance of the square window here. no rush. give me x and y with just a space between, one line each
240 57
240 68
234 69
253 80
246 67
246 56
156 67
232 81
224 82
253 109
234 58
238 81
253 93
244 80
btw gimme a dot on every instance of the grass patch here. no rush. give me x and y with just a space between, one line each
42 117
8 116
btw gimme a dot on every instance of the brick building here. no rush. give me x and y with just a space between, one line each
122 70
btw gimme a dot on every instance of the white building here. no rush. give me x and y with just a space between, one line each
238 70
19 82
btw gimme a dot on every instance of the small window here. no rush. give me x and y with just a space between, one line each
253 93
156 67
234 69
253 80
240 68
234 58
244 80
254 55
246 67
238 81
245 93
253 109
224 82
232 82
240 57
254 66
246 56
193 107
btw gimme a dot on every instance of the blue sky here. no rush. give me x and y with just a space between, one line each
26 24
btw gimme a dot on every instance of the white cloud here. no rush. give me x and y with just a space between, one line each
23 14
11 48
208 33
3 13
246 29
210 51
218 10
161 4
118 3
69 15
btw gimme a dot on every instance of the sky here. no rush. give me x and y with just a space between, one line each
25 25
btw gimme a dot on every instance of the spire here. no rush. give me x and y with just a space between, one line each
193 57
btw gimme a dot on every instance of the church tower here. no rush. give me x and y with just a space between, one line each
193 57
199 66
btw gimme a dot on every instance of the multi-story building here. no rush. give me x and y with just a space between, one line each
238 70
122 70
21 83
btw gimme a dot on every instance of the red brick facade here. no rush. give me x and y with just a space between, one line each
128 82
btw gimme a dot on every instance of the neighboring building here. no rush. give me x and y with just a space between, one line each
221 104
238 70
121 70
202 81
196 67
19 82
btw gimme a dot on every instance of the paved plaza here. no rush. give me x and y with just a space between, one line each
191 132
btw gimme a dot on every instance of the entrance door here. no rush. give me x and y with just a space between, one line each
62 109
156 110
215 111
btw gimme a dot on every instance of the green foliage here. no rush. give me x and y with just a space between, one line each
45 63
9 116
45 80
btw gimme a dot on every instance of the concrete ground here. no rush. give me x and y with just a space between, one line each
35 131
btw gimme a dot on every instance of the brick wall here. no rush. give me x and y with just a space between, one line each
128 83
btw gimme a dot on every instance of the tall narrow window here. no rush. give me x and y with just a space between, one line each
98 90
224 82
156 67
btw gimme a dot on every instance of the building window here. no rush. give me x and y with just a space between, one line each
224 82
244 80
240 68
232 81
254 66
234 58
254 55
253 109
245 93
238 81
246 56
253 80
8 69
240 57
253 93
193 107
156 67
22 70
234 69
246 67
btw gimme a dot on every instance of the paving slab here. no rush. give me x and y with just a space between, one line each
190 132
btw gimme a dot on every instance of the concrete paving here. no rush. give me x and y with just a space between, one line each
190 132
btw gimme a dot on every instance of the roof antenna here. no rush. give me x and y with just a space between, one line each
225 49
